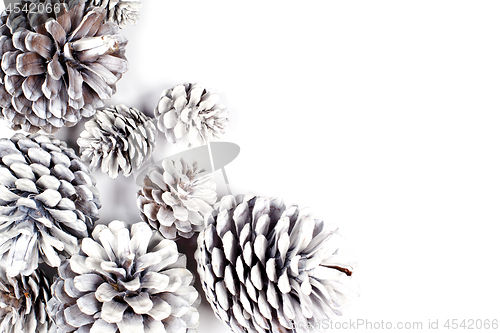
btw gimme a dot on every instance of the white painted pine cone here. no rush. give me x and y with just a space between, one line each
266 267
174 198
121 12
48 200
125 280
22 302
117 139
57 69
189 112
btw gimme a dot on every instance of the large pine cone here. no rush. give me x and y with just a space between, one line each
117 139
270 268
189 112
57 68
121 12
22 302
48 200
125 280
175 198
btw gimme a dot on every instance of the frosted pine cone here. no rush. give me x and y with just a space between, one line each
174 198
48 200
270 268
57 69
22 302
189 112
117 139
121 12
127 281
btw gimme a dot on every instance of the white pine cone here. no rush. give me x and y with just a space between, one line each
189 112
121 12
125 280
22 302
174 198
57 68
117 139
266 267
48 200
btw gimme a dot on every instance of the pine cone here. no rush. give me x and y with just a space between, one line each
270 268
117 139
127 281
48 200
22 302
121 12
174 198
188 112
57 68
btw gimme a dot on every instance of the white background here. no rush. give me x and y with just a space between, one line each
382 116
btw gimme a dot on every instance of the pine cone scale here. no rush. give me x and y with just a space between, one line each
121 12
149 285
53 52
174 197
23 300
117 139
189 112
41 200
266 267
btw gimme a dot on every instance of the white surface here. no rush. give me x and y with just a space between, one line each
383 116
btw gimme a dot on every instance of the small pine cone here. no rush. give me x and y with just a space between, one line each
174 198
270 268
57 68
121 12
48 200
117 139
189 112
22 302
125 280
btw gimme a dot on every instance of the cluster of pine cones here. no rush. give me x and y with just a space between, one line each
264 266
